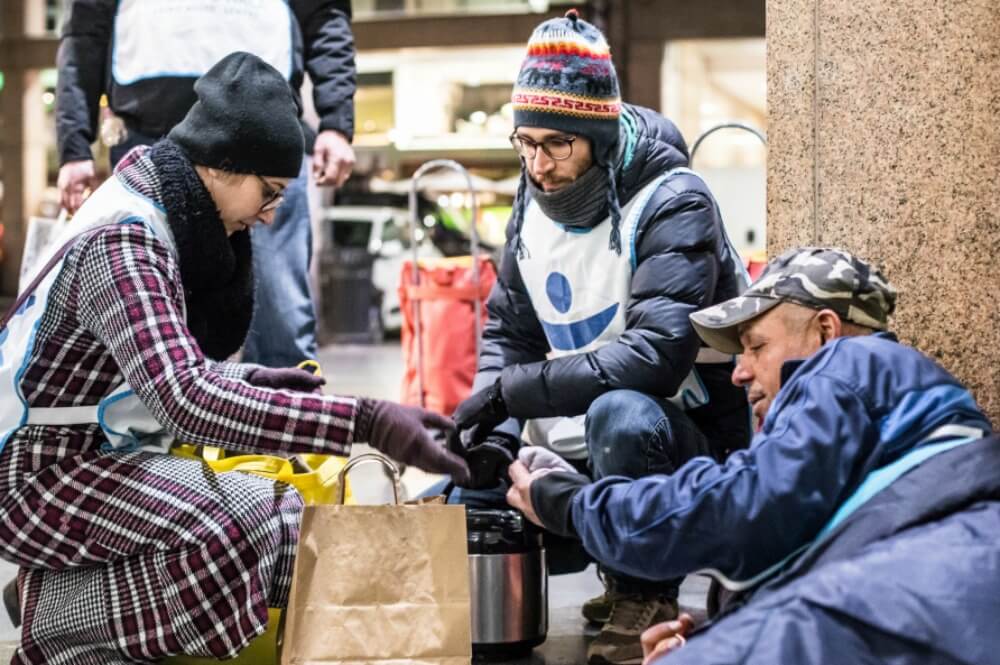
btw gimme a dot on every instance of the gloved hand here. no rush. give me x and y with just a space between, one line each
478 415
400 431
536 457
488 461
288 378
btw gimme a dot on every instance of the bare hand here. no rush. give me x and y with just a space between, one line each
333 158
661 639
75 178
519 494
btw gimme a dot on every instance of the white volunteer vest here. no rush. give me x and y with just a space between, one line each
125 420
579 289
168 38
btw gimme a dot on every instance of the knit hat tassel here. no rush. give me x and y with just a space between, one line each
615 210
519 206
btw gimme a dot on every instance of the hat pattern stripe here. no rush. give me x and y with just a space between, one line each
527 99
575 49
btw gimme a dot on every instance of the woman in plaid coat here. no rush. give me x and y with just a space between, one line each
128 554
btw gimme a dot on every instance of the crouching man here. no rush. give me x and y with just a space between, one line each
612 243
860 525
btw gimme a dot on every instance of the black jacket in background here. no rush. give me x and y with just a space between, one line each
322 44
682 265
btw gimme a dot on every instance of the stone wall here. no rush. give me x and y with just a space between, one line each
884 131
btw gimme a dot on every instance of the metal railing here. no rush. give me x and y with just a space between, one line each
726 125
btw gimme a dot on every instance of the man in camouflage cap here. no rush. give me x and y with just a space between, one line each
840 531
804 298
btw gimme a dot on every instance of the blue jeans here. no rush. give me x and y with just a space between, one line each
283 329
629 434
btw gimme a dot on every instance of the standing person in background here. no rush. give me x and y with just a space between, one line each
146 55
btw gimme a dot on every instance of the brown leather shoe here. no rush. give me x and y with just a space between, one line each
618 642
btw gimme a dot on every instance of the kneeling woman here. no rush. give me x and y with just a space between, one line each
128 554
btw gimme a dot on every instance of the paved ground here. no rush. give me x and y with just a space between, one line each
376 371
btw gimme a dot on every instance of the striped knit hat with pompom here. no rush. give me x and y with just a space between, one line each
568 83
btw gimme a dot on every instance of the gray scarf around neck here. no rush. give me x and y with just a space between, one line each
582 204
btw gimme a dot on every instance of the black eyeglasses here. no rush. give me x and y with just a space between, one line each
555 147
272 197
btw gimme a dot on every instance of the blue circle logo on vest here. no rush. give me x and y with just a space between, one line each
574 334
559 291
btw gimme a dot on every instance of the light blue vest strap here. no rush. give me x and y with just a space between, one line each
640 207
879 479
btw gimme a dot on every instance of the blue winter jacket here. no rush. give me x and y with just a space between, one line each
857 405
912 577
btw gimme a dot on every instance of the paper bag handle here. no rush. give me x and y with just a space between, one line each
364 459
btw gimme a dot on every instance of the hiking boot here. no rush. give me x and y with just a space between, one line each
598 608
618 642
12 601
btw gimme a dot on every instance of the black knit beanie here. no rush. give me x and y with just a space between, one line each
245 120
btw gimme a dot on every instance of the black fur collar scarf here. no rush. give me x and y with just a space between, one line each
216 269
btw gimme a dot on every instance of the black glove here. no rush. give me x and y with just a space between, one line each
288 378
400 432
489 460
477 416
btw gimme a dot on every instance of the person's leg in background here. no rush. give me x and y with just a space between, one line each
634 435
283 330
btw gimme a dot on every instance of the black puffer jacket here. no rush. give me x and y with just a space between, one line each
682 264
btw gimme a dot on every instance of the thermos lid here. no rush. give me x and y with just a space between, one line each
500 532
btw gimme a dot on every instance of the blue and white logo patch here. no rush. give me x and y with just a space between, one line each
572 335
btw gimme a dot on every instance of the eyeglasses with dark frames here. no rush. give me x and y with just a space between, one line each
272 197
557 148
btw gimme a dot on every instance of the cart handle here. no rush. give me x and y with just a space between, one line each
474 241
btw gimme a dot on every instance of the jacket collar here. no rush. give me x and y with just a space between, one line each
790 367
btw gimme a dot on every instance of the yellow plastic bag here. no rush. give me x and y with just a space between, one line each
317 486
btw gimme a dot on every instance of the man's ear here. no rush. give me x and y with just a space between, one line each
830 326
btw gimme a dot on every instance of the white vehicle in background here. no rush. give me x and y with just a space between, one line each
385 232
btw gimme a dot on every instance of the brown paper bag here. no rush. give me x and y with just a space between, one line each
380 584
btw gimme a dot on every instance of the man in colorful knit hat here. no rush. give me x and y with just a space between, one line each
611 245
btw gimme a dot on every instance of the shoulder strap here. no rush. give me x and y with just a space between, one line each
641 200
42 274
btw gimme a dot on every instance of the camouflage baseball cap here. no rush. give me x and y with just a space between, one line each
817 277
